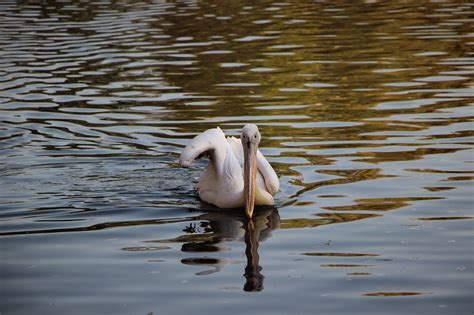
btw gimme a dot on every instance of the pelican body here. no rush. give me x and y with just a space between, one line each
238 175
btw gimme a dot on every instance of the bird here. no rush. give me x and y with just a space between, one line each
238 175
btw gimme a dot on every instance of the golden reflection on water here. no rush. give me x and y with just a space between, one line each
324 218
388 294
380 204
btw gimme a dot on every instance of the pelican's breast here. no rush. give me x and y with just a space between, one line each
262 196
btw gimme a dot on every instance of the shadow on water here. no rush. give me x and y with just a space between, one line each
231 226
217 228
252 270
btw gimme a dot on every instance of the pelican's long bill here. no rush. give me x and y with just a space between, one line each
250 173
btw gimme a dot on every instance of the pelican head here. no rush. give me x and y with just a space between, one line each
250 138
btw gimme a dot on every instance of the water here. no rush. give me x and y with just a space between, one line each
365 111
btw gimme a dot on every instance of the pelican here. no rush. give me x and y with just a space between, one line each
237 174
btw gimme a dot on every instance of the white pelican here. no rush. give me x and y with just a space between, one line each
238 174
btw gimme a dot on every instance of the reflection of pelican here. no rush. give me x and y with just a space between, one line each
230 226
252 270
238 174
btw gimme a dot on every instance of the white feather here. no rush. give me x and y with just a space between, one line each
222 181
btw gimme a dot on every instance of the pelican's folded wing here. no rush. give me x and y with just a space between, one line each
206 143
271 178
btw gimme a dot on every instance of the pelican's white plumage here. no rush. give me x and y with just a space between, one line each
222 182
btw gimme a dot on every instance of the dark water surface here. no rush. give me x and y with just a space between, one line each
365 109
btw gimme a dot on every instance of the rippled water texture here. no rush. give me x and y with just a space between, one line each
365 109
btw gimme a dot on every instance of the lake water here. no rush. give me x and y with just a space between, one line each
365 110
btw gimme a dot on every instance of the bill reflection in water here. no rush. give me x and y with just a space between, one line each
231 227
252 270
